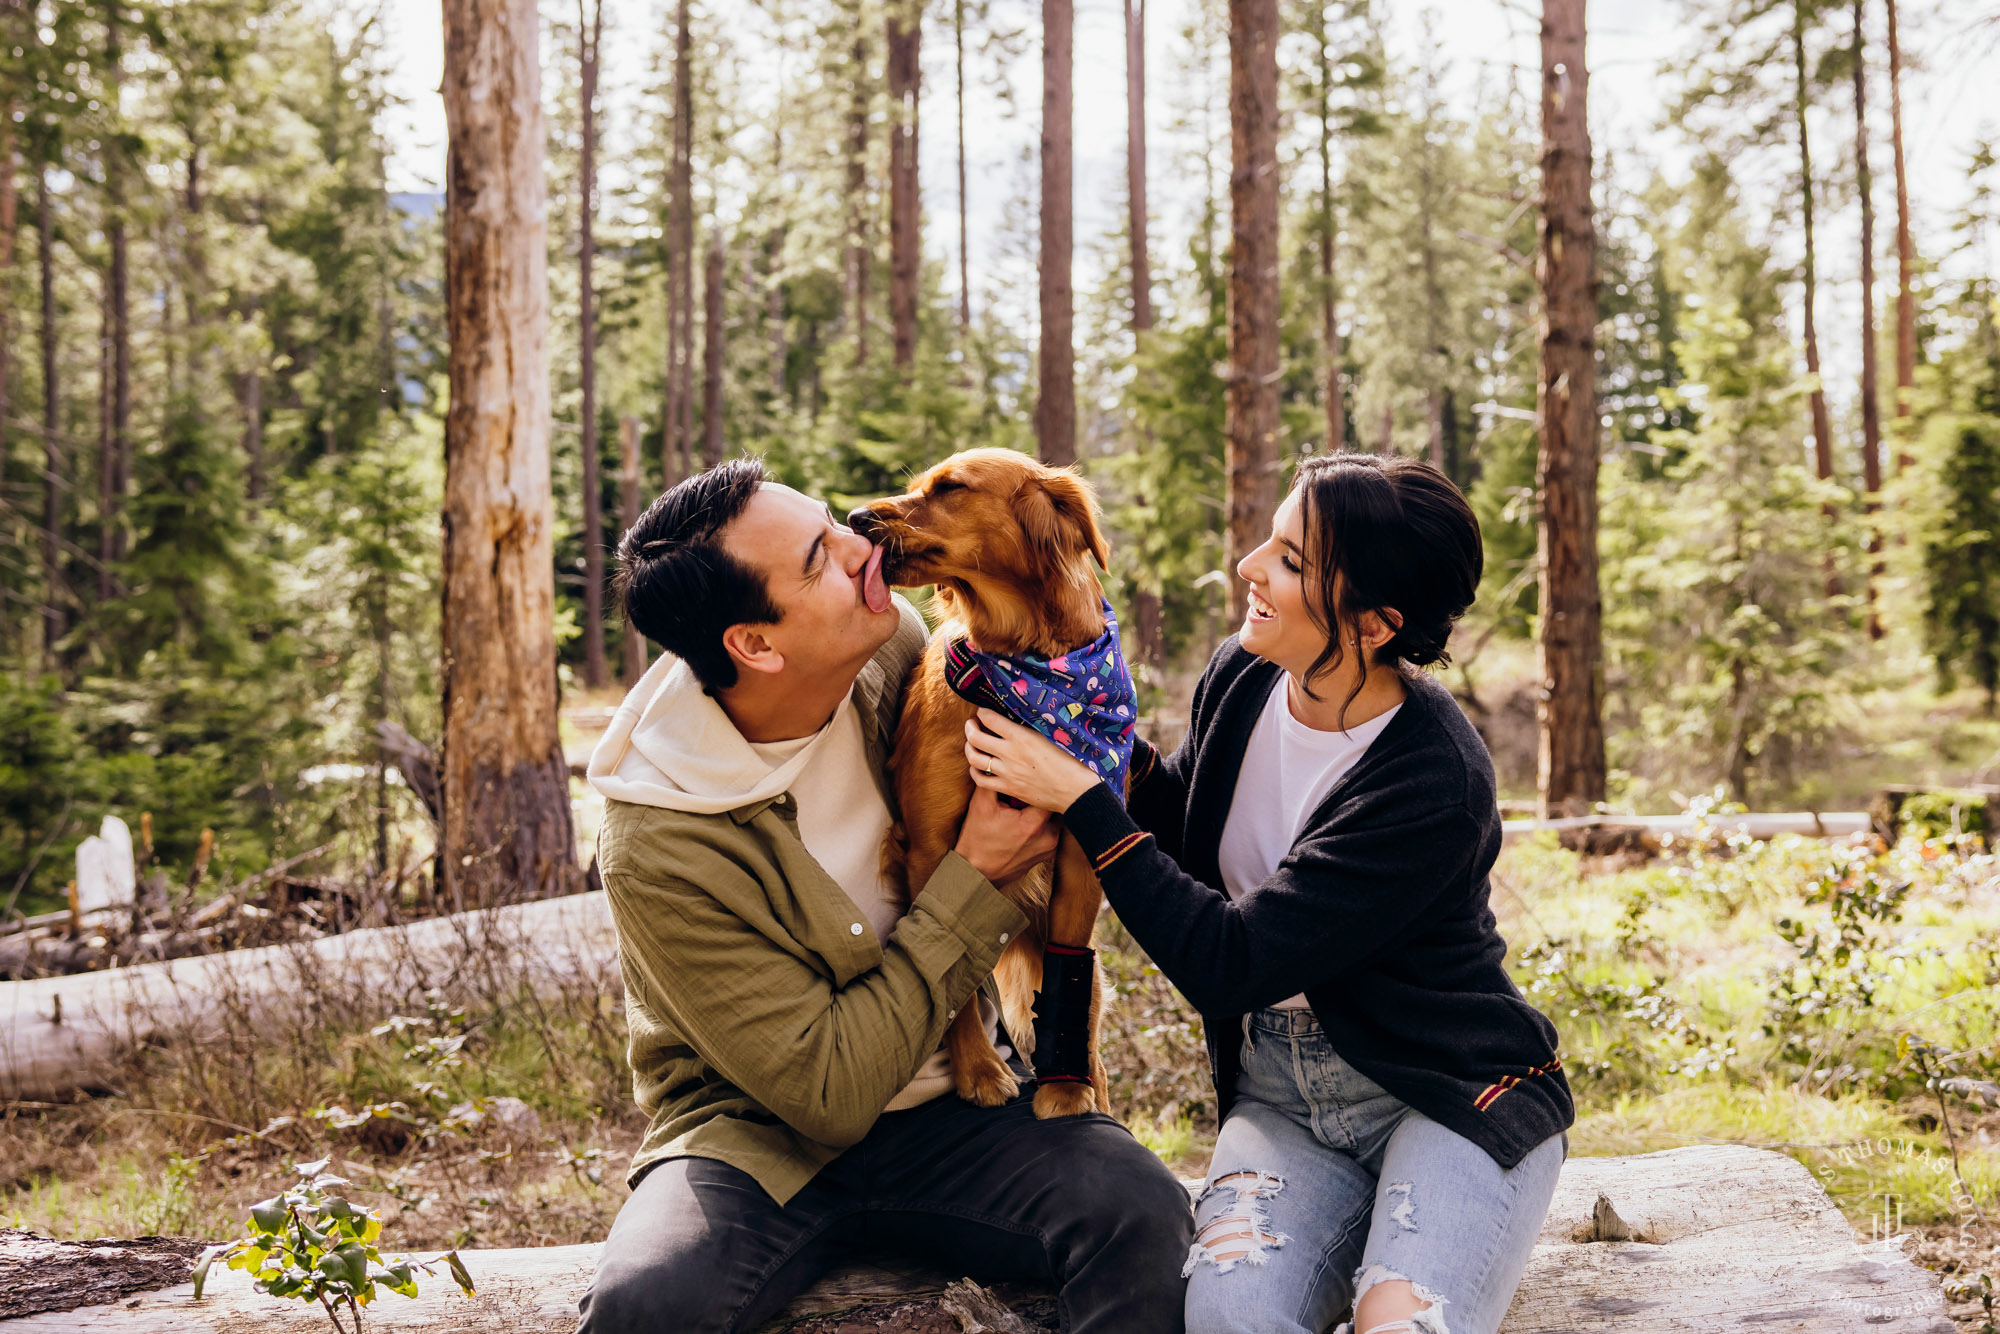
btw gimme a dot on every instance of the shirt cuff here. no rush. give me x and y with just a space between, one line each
983 919
1103 827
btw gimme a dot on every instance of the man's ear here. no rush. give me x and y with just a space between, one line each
751 650
1059 515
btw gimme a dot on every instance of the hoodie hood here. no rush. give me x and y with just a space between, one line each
670 745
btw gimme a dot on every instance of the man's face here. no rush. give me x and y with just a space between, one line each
823 577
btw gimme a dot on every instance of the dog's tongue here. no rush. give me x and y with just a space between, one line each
874 591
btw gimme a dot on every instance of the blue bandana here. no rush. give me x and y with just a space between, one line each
1083 700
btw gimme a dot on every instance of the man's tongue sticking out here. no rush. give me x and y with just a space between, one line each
874 590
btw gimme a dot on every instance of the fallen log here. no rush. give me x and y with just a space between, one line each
1649 830
61 1035
1717 1236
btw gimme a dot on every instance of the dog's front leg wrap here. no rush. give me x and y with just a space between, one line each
1062 1015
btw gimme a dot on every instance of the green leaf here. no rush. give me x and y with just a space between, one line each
459 1271
268 1216
313 1169
209 1257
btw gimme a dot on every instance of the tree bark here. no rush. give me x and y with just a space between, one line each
857 192
1251 407
964 227
677 409
1871 402
1135 164
1336 406
9 224
1822 425
590 35
1570 644
712 280
252 400
113 544
633 665
106 450
53 473
507 831
1906 301
1055 392
905 73
1146 619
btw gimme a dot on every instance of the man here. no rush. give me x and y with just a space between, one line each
785 1014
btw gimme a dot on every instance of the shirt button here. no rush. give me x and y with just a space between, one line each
1003 937
854 930
951 1014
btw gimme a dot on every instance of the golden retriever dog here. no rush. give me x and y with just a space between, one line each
1008 542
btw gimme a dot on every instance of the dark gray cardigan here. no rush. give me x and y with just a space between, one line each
1378 913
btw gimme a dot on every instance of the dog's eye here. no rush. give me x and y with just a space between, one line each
939 488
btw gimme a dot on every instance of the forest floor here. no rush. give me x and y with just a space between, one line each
1762 993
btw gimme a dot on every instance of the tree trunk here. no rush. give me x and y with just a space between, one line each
1822 425
711 370
1252 390
677 411
590 35
507 831
54 475
964 228
633 665
251 398
857 192
9 223
1871 402
774 315
1572 766
1146 621
1055 393
121 314
1135 164
1906 301
107 459
1329 297
905 72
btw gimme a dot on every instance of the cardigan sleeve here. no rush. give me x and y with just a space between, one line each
1157 795
1340 895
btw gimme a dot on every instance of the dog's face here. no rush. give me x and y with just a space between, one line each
994 527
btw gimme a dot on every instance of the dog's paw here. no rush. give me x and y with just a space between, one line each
994 1086
1064 1099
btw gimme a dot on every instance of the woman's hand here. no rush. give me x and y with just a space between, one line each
1024 764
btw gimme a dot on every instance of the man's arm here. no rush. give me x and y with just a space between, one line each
824 1059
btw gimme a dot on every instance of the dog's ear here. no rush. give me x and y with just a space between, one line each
1059 515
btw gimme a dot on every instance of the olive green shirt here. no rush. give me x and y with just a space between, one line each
767 1024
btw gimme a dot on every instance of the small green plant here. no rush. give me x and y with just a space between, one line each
1817 1000
312 1244
1975 1288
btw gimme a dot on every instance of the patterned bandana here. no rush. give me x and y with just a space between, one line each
1083 701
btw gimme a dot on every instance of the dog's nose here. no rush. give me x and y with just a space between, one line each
863 520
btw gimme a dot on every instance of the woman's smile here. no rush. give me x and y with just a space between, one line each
1260 608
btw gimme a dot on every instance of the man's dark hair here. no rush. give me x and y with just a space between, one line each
679 587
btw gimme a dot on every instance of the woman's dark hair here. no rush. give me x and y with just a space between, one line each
1387 535
679 587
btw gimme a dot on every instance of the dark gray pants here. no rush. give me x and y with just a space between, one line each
988 1193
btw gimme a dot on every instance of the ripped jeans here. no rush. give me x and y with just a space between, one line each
1324 1183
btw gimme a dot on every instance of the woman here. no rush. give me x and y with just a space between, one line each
1309 868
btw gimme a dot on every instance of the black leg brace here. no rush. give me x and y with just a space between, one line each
1062 1015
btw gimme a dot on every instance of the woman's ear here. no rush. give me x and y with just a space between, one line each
1379 627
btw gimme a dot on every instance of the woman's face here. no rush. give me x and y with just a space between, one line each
1276 626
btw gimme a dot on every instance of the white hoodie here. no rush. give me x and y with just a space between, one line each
671 745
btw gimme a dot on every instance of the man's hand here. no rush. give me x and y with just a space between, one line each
1002 843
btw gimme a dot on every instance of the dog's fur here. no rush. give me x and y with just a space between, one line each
1008 543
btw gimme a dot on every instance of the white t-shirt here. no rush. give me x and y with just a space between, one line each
1287 772
843 822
